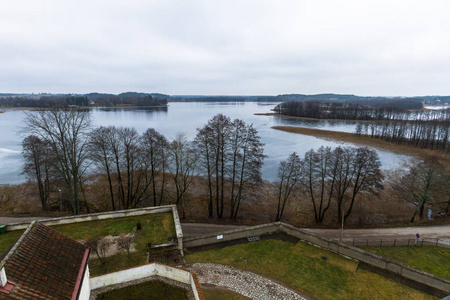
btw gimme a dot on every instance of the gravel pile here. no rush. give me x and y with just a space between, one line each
242 282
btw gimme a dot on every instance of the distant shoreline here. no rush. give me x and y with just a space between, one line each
314 119
337 120
80 107
367 141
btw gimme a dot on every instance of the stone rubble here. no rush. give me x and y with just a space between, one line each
245 283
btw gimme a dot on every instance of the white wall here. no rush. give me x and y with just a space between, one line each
144 271
85 292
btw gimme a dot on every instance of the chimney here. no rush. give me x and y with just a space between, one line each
3 279
5 285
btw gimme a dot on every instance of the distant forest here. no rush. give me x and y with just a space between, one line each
93 99
396 124
143 99
378 110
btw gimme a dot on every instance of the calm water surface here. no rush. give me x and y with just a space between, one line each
187 117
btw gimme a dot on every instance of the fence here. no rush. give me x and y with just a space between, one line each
397 242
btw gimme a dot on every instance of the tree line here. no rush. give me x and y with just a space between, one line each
47 101
318 110
432 135
423 129
221 166
62 150
329 177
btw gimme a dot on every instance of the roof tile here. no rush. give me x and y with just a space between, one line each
45 265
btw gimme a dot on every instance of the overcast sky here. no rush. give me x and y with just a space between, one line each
226 47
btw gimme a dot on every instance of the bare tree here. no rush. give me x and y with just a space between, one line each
344 176
65 131
183 165
204 147
289 175
125 243
130 141
367 175
7 194
425 184
231 155
358 170
341 175
99 246
38 160
155 147
102 155
246 160
212 143
320 173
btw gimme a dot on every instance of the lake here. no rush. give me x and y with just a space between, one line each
187 117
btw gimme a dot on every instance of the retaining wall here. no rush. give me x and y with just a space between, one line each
149 270
421 280
226 236
109 215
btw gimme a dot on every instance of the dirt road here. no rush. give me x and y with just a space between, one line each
432 232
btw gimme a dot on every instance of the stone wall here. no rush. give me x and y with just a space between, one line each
404 273
154 269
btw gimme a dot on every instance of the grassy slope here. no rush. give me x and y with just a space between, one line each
302 267
431 259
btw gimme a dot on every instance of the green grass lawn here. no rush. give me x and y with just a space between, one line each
306 268
222 294
156 228
7 239
430 259
149 290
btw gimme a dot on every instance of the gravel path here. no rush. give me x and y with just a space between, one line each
242 282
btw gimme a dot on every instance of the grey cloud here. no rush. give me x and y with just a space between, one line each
225 47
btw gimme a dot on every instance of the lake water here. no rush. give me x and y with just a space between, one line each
187 117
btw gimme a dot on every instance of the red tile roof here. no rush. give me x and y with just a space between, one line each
45 264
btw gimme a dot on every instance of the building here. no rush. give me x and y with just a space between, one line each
45 264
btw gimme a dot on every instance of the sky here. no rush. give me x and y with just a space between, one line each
242 47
